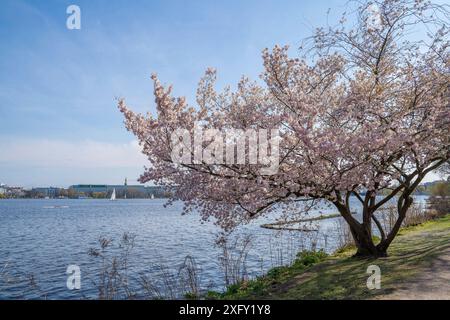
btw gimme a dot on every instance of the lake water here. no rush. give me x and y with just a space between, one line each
40 238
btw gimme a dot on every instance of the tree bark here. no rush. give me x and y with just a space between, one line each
362 234
365 244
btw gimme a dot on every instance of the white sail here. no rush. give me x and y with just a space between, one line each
113 195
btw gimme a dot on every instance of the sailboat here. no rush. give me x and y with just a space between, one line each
113 195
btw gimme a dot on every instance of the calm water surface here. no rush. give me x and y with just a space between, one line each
40 238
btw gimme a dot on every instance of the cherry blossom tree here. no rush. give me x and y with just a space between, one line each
363 112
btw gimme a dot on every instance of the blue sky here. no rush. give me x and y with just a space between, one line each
59 124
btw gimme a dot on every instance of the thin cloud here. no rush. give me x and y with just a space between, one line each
64 154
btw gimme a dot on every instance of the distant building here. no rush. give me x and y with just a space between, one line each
89 188
2 188
13 192
122 191
50 192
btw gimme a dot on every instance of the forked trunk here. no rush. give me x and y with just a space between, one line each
365 245
362 232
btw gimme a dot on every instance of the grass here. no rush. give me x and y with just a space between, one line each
314 275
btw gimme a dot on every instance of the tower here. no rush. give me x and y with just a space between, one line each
125 189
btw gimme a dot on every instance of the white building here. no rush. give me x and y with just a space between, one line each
11 191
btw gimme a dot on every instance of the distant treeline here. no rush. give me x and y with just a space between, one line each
148 192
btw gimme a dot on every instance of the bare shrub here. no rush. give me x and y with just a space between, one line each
113 278
440 204
440 197
169 283
189 278
344 236
232 259
162 284
284 245
416 215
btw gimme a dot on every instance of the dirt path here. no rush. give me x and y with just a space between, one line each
432 284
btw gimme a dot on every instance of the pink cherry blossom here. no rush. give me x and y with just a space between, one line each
364 112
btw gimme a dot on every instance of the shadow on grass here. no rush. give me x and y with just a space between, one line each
345 277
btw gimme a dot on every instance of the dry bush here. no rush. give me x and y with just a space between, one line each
233 257
189 276
113 279
416 215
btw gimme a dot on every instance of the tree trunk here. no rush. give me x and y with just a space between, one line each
362 235
365 245
362 232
